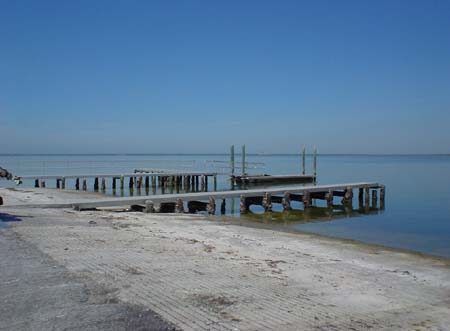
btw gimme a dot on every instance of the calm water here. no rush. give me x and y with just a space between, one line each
416 217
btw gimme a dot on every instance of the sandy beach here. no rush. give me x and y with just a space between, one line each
96 270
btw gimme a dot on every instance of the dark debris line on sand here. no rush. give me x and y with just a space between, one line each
38 294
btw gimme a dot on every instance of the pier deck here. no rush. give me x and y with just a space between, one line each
302 193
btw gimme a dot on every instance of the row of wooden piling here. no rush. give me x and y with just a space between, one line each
188 182
365 194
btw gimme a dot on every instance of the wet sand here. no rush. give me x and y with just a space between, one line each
200 273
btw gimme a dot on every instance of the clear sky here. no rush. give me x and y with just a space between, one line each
196 76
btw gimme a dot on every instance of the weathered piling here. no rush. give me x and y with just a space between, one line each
315 162
43 183
215 183
243 160
223 207
131 183
286 202
113 184
147 182
179 207
149 207
306 199
84 185
122 182
267 202
232 161
96 184
77 184
211 207
329 198
58 183
203 183
103 184
348 196
303 161
36 183
243 204
63 183
374 198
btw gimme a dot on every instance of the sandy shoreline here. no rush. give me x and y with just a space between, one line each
200 274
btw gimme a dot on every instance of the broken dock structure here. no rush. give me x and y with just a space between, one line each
190 181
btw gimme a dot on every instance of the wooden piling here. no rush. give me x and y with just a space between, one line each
303 161
103 184
211 208
84 185
179 207
243 160
122 182
329 198
130 183
382 196
232 161
147 182
267 202
374 198
243 204
139 182
196 183
149 207
58 183
203 183
306 199
63 183
215 183
114 183
77 184
223 207
96 184
36 183
286 202
315 162
206 183
348 196
43 183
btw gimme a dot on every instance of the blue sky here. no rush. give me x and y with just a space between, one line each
197 76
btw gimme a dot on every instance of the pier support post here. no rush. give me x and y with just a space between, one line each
382 195
267 202
114 183
147 182
211 207
329 198
243 160
286 202
374 198
215 183
196 183
77 184
84 185
96 184
348 196
43 183
206 183
315 162
203 182
63 183
103 184
366 195
179 207
130 183
223 207
306 199
36 183
232 162
58 183
149 207
243 204
303 161
122 182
